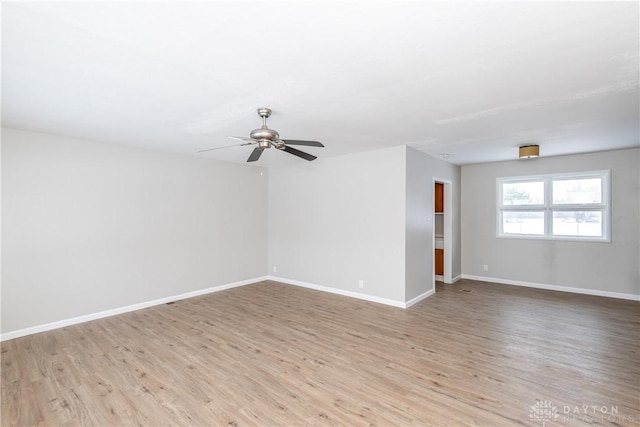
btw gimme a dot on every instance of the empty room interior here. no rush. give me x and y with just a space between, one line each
320 213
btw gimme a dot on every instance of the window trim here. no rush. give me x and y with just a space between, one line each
549 208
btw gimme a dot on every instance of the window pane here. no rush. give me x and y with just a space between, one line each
577 191
523 193
577 223
521 222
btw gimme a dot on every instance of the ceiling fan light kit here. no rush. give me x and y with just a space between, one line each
529 151
266 138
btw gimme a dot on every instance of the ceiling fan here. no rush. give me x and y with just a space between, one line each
267 138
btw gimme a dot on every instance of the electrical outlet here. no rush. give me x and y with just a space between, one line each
275 269
485 267
361 284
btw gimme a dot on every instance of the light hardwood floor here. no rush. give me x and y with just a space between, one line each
273 354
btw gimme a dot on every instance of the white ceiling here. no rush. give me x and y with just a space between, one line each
473 80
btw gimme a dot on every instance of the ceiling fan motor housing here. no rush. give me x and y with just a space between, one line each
264 133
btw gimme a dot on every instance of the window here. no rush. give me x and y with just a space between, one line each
567 206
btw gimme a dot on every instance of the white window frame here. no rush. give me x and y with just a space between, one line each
549 208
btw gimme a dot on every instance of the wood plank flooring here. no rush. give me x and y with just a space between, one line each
271 354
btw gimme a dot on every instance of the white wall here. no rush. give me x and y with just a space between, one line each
339 220
608 267
89 227
421 171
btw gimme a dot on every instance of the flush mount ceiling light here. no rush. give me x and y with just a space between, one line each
529 151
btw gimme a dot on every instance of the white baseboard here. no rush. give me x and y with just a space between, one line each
419 298
441 279
112 312
583 291
351 294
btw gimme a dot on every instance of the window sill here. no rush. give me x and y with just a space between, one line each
556 238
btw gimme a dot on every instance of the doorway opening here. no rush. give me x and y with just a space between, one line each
442 230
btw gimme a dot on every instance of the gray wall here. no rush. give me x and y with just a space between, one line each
609 267
339 220
421 171
88 227
360 217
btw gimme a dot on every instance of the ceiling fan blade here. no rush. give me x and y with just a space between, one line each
255 154
307 143
299 153
239 138
225 146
